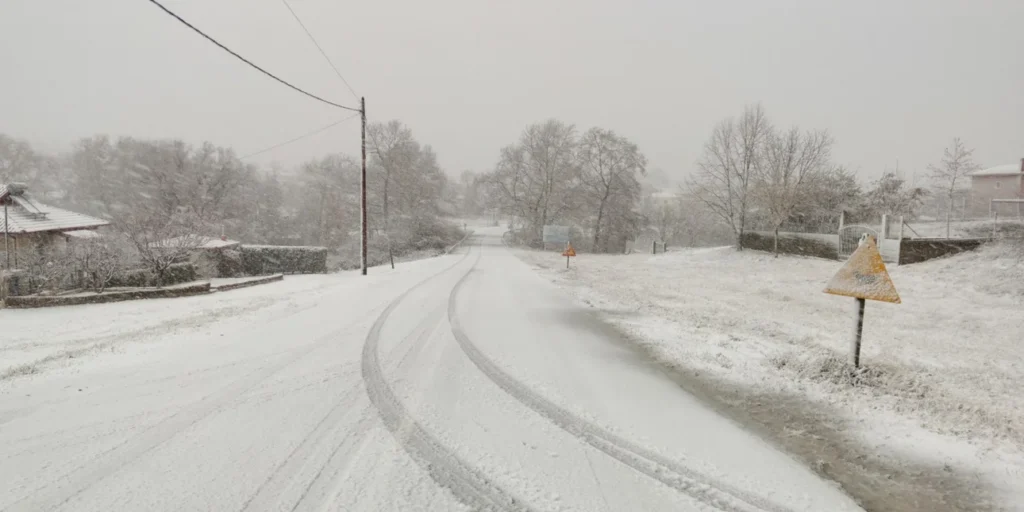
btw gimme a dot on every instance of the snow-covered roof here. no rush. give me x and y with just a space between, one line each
25 215
199 242
82 234
1001 170
289 247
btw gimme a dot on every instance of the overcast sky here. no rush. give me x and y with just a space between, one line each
891 79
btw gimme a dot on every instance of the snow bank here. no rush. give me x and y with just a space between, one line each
943 370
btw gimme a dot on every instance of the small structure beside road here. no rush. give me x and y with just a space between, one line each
28 225
998 190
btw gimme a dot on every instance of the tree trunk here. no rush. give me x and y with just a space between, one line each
949 214
743 220
776 241
597 228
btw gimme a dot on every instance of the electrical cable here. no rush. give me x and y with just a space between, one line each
300 137
318 47
247 61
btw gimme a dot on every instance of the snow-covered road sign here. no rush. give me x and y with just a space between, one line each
568 252
864 276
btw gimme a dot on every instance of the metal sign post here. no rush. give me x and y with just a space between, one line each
568 253
863 277
855 349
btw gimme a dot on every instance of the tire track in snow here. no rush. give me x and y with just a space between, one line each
85 475
268 495
667 471
446 468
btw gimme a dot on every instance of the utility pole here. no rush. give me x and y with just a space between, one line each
362 184
7 243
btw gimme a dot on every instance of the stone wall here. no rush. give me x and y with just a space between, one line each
98 298
801 244
916 250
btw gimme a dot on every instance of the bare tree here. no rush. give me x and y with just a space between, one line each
161 241
663 215
610 166
785 174
406 177
696 224
395 153
949 175
536 178
890 195
101 260
727 167
18 161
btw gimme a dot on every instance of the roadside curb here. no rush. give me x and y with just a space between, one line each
246 284
199 288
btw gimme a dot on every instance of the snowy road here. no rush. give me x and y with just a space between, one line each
464 382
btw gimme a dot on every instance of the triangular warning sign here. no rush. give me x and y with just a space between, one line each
569 251
864 276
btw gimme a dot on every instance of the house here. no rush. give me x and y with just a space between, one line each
28 225
998 190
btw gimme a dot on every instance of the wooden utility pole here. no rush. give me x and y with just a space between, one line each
7 243
362 184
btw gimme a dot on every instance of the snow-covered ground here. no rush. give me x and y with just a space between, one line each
943 387
962 228
220 282
463 382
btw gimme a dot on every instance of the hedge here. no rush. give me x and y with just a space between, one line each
140 278
260 260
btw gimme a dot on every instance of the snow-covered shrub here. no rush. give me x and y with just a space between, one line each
177 273
228 262
279 259
429 235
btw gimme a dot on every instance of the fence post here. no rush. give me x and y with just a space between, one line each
884 232
842 219
901 228
995 224
654 248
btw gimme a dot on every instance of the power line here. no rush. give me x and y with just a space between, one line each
300 137
318 47
247 61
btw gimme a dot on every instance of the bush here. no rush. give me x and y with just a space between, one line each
229 263
430 235
278 259
179 273
139 278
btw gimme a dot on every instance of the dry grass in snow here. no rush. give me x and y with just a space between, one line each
943 377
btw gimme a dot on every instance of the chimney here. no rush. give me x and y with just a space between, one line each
17 189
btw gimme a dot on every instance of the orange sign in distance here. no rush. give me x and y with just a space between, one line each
569 251
864 276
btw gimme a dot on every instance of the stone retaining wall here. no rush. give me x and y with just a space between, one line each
114 296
